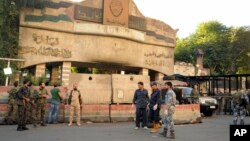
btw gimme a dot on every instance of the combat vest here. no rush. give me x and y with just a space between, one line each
70 97
240 99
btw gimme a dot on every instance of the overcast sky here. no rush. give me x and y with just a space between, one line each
187 14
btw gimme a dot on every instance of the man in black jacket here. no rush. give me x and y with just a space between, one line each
141 101
154 106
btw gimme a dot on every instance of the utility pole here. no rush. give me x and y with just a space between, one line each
8 65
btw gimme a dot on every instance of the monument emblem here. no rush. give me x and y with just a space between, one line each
116 8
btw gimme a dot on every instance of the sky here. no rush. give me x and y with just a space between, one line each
185 15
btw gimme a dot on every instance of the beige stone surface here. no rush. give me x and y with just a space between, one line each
42 46
124 86
185 69
94 91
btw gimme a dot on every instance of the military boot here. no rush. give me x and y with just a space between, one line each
19 128
157 125
164 133
154 129
43 124
25 128
172 135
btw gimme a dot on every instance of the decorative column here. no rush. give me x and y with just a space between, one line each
66 70
159 76
144 71
40 70
55 75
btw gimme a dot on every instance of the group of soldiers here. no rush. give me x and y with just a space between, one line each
240 105
154 105
28 105
236 104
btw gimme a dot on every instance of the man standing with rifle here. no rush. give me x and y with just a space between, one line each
41 103
22 100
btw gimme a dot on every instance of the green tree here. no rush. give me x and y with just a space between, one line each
213 38
9 25
9 29
240 50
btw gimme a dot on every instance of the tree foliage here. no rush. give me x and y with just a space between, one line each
9 29
9 25
225 48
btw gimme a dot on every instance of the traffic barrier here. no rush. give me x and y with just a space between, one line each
120 113
186 114
92 113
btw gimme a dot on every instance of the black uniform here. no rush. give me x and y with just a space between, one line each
141 100
154 115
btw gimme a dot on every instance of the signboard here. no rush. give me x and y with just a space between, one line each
7 71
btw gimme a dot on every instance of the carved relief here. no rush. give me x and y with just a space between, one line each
155 62
116 12
116 7
160 55
157 59
39 39
46 47
46 51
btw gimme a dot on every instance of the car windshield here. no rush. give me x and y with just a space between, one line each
186 91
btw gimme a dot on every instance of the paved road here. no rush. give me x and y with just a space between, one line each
212 129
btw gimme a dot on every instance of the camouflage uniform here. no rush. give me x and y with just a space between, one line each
75 102
31 108
170 101
239 108
12 106
22 93
195 96
41 105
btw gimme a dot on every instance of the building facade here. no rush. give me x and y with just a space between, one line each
112 35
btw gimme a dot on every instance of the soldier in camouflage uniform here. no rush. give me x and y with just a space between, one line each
31 107
170 101
12 106
41 104
239 102
22 100
195 94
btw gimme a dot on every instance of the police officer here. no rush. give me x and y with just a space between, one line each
41 103
170 101
22 100
12 106
141 101
154 107
239 102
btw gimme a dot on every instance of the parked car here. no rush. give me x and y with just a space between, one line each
207 104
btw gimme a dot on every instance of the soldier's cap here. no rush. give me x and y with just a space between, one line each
153 83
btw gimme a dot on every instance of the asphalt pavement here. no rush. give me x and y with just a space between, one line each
214 128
